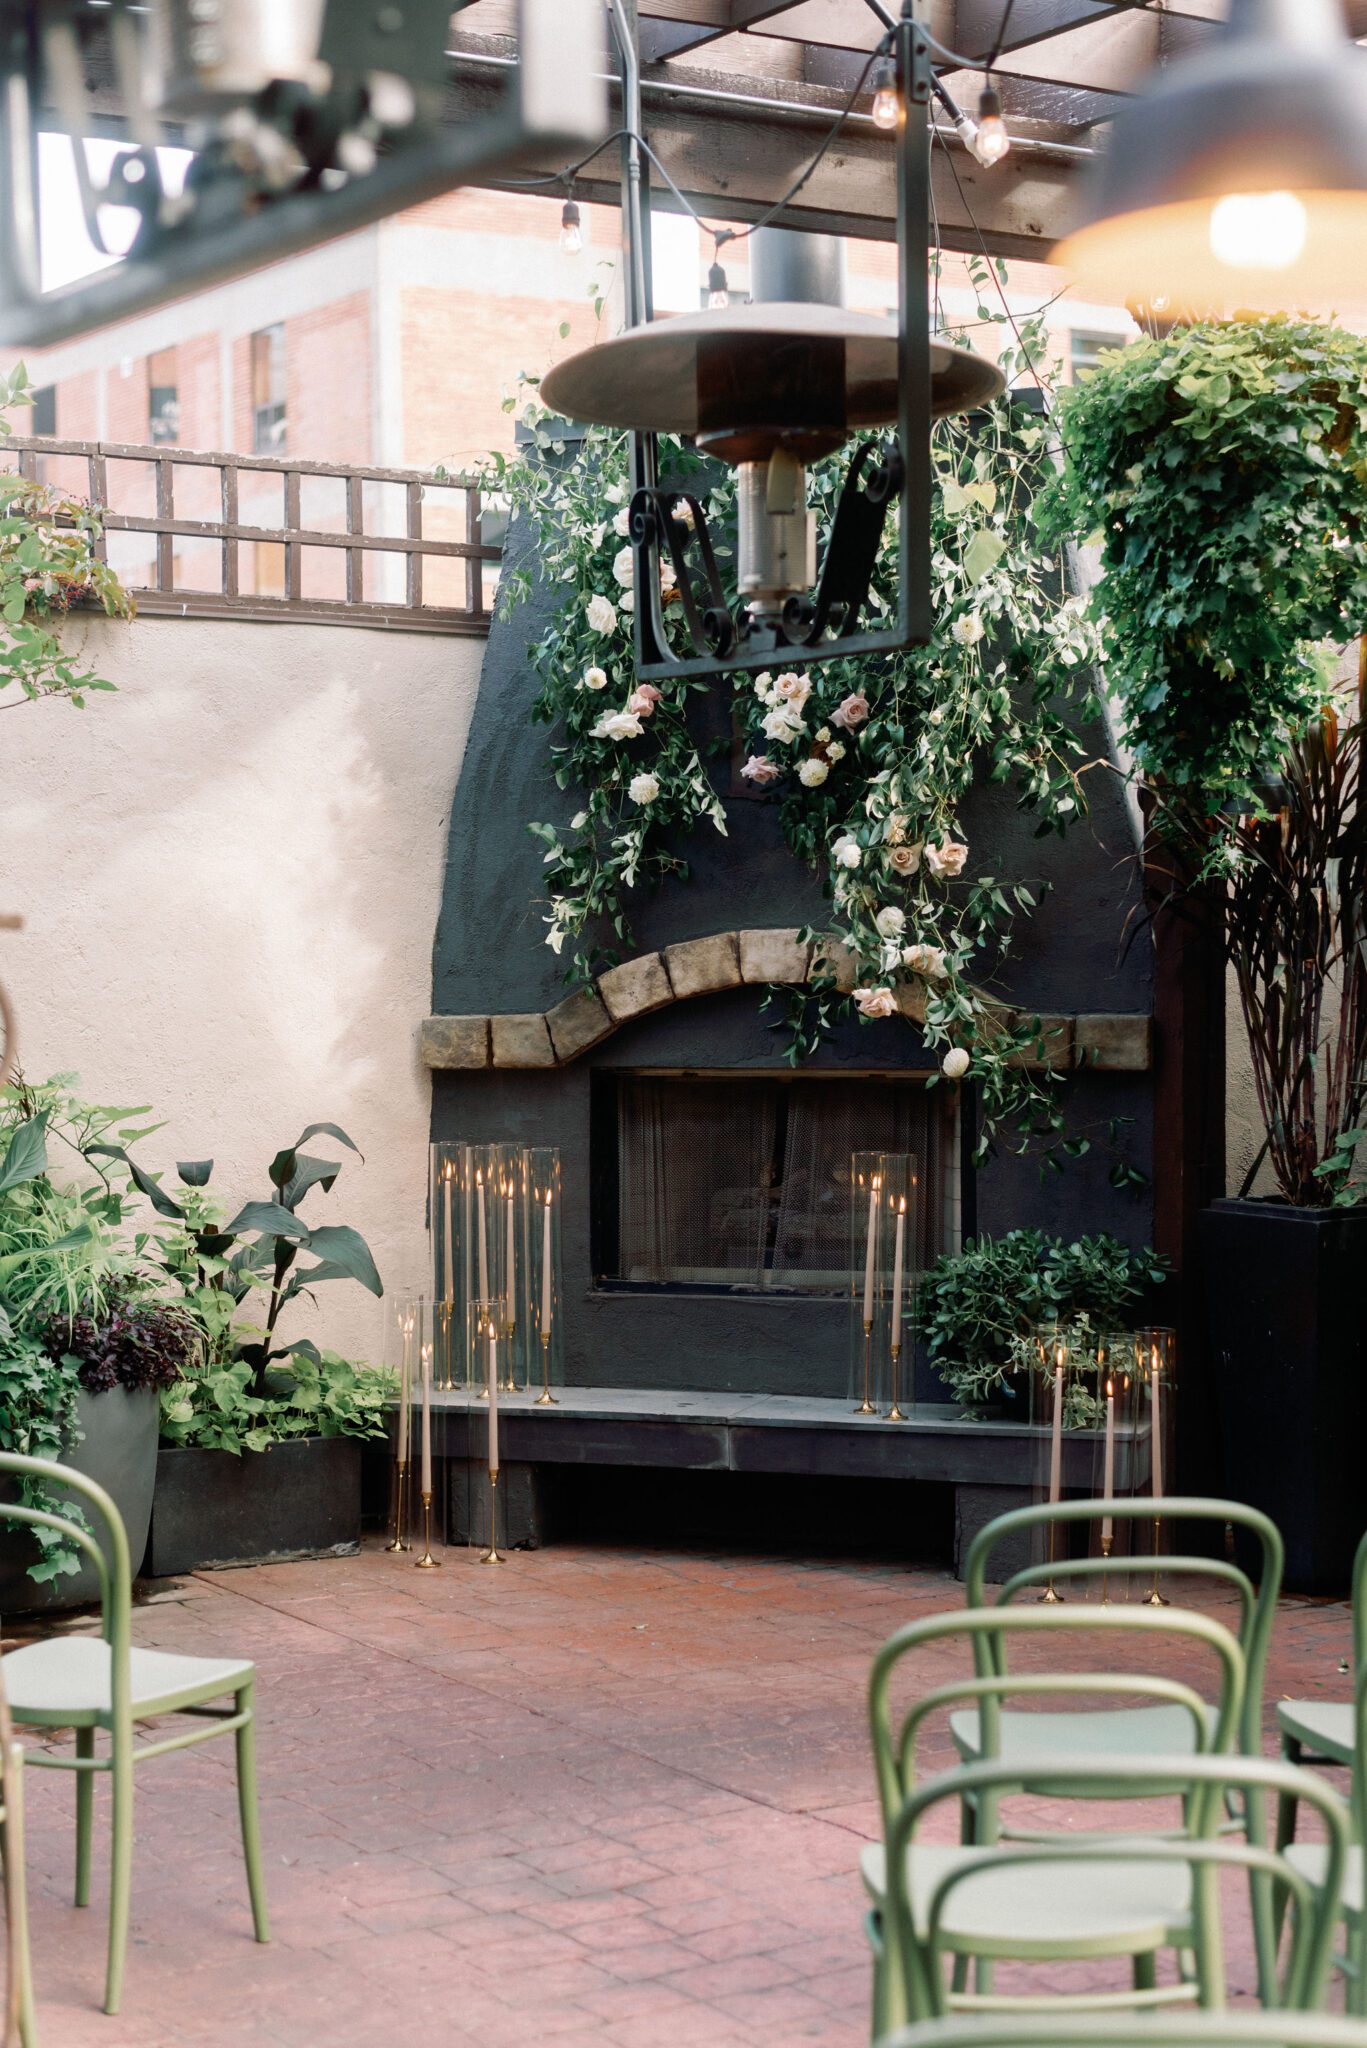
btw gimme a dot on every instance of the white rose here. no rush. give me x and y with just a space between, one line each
946 858
683 512
782 723
926 960
615 493
834 751
594 678
624 567
875 1002
824 736
793 689
955 1064
621 524
891 921
968 629
904 860
763 683
618 725
601 615
643 789
628 600
812 773
846 852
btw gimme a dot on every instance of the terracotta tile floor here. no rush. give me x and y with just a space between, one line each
598 1797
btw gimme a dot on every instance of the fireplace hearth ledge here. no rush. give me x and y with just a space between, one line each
1117 1042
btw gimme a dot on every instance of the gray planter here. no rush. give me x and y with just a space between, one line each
119 1452
297 1499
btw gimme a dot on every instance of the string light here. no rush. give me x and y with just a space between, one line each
571 236
887 105
718 291
993 139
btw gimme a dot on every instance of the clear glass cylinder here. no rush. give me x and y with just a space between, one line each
900 1233
408 1356
866 1281
1155 1350
542 1288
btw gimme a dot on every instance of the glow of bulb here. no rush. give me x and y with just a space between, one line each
887 108
718 292
1258 230
993 140
571 235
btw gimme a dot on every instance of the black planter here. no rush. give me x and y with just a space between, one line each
297 1499
118 1450
1288 1357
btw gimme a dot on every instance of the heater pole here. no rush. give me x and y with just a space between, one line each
912 60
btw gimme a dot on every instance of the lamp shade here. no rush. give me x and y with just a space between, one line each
745 380
1238 179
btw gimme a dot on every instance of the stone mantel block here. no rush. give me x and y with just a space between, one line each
1052 1045
1119 1044
522 1040
578 1023
455 1041
778 955
698 967
636 987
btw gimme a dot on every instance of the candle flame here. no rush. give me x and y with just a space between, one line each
1110 1390
877 1182
479 1176
902 1206
1058 1357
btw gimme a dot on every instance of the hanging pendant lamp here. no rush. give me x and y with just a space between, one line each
1238 179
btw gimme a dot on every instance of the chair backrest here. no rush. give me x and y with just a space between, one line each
9 1766
1205 1782
1258 1604
106 1545
1242 2029
1122 1631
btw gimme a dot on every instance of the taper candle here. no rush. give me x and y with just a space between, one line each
427 1418
899 1251
546 1268
493 1396
1108 1465
448 1278
1056 1446
510 1305
405 1385
483 1239
870 1248
1157 1426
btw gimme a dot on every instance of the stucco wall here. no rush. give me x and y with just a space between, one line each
230 874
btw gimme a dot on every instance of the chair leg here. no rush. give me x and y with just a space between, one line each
247 1806
1144 1971
1286 1803
16 1900
120 1870
85 1814
1262 1903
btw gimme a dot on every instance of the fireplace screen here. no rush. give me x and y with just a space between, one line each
741 1181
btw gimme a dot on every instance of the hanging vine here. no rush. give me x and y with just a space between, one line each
869 760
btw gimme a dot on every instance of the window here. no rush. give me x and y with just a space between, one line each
740 1182
1084 352
268 390
43 415
163 397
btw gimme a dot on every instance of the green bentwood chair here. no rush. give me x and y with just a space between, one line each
1126 1634
17 2018
1155 1730
1241 2029
1064 1900
91 1683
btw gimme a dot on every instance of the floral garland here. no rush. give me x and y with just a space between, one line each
869 759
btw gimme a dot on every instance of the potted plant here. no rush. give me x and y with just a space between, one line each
218 1502
977 1309
86 1341
1221 468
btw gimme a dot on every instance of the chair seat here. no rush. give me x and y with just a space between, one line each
1042 1911
1048 1738
64 1682
1309 1859
1324 1727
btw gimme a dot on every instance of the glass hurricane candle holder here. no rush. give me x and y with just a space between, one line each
900 1234
867 1281
407 1356
541 1280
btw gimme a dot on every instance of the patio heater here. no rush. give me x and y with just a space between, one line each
1239 178
305 118
769 388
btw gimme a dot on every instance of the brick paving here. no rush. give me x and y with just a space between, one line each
597 1799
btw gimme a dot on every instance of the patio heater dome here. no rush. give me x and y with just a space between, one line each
767 387
1239 179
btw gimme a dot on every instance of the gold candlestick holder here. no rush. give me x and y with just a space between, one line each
426 1563
866 1405
1107 1545
1153 1598
493 1555
1051 1597
546 1399
399 1488
894 1413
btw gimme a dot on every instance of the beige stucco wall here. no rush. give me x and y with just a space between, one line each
229 874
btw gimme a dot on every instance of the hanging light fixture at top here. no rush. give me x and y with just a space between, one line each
1239 178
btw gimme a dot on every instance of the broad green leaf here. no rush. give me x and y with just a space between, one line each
983 553
26 1156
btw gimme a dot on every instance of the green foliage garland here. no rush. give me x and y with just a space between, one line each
1224 468
870 760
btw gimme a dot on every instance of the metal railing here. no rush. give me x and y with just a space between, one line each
270 537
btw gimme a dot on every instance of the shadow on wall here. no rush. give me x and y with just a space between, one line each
229 875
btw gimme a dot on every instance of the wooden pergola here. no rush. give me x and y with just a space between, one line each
739 93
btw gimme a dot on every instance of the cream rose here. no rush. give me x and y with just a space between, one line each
594 679
852 712
875 1002
891 921
643 789
782 723
946 858
847 853
812 773
926 960
602 616
624 567
955 1064
622 523
793 689
904 860
618 725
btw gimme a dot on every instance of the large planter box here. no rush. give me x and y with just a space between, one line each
1288 1345
118 1450
297 1499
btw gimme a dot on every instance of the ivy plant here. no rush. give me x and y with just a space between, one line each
869 760
977 1309
1222 470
